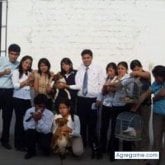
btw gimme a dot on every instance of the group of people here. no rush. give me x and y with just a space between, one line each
40 96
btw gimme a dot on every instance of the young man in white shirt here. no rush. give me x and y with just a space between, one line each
7 65
89 80
38 122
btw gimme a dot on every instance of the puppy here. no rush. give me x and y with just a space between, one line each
60 141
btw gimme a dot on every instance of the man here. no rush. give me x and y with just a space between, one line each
89 80
38 127
7 65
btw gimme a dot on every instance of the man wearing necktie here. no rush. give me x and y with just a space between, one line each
89 80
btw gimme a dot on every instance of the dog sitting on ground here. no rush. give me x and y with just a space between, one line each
60 141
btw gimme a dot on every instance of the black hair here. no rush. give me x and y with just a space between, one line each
124 64
66 61
67 102
14 48
87 51
113 66
135 63
41 99
20 69
159 71
47 63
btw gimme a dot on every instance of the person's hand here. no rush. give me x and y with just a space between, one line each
37 115
7 71
66 129
98 102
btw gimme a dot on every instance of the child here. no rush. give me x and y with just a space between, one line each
105 98
73 126
158 89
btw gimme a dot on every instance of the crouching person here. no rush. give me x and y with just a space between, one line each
38 127
66 131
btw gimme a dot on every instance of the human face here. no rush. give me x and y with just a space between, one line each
13 56
87 59
111 72
43 68
159 79
26 65
64 110
121 70
66 67
40 107
137 68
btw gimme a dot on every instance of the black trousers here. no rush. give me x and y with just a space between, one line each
114 142
34 138
88 119
6 104
106 115
20 107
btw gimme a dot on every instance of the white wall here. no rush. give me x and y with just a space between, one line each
114 29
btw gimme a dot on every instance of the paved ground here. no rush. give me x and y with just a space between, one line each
13 157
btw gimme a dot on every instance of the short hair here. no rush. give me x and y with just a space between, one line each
14 48
41 99
159 71
135 63
87 51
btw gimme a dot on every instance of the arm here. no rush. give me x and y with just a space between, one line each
145 74
76 130
141 99
44 125
160 95
36 81
15 80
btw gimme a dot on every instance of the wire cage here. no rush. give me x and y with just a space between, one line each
129 126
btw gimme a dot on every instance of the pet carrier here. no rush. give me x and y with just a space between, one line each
128 126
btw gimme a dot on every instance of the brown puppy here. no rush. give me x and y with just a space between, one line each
60 140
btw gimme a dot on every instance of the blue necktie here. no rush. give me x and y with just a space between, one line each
85 83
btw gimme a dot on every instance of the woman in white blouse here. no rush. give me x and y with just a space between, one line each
21 98
73 126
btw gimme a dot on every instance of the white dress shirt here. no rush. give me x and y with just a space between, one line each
96 79
74 125
5 81
44 125
21 93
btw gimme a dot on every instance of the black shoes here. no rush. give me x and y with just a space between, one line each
7 146
29 155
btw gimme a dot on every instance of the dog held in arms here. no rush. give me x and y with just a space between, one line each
60 141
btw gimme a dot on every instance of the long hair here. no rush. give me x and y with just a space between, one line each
47 63
113 66
67 102
20 69
66 61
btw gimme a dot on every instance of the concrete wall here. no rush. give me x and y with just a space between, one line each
114 29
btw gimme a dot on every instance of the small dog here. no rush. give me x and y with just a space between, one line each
60 141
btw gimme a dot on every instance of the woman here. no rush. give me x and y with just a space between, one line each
73 126
43 79
21 98
105 98
119 105
69 73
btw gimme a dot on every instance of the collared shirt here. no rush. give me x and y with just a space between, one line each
159 105
44 125
24 92
96 79
5 81
74 125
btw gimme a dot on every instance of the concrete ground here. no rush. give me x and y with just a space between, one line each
13 157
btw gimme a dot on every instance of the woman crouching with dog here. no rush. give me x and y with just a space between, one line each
66 131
